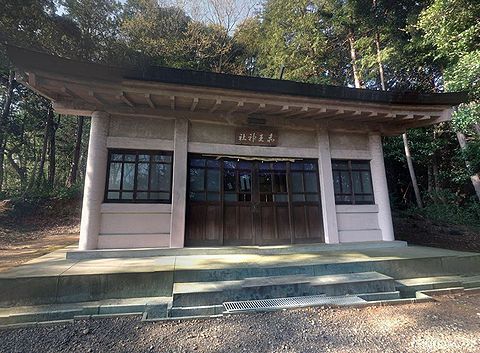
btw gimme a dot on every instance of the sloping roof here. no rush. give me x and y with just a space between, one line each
36 60
79 88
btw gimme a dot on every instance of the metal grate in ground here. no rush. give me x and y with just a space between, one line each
287 303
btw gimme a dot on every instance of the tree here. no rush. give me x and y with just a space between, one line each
299 35
452 28
227 14
153 32
96 29
72 178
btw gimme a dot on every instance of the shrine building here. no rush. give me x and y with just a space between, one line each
181 158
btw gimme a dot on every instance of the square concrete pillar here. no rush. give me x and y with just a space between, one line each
380 188
95 179
326 188
179 185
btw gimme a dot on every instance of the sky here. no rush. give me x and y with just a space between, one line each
228 13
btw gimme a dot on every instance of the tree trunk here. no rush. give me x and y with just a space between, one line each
412 171
7 103
52 150
378 48
436 174
2 161
476 127
18 168
379 61
33 175
475 178
43 155
353 56
408 156
430 178
72 178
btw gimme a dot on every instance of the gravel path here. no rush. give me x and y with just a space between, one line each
450 325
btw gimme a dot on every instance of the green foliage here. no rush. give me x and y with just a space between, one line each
451 210
472 154
466 116
453 28
425 46
154 31
296 34
464 75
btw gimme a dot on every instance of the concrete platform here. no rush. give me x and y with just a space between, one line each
56 279
230 250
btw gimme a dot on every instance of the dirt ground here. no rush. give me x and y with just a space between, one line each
450 325
27 234
421 231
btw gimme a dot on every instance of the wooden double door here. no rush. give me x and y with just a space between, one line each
245 202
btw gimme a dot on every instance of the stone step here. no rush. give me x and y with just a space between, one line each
369 297
152 306
214 293
408 287
92 280
352 283
471 282
192 311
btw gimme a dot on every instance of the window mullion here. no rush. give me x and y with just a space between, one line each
135 175
120 192
350 174
149 182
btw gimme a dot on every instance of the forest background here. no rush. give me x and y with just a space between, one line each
426 46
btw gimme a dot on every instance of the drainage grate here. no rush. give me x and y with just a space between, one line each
293 302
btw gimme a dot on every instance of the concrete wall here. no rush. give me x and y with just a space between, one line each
358 223
355 222
134 226
145 128
224 134
150 225
137 225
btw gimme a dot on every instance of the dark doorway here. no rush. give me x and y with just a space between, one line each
244 202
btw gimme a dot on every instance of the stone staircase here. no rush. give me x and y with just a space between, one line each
191 299
171 287
408 287
216 298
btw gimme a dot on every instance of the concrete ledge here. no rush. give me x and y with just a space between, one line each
365 235
356 208
350 154
258 250
129 241
32 315
64 288
139 143
136 208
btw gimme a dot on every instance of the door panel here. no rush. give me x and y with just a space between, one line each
245 223
299 222
267 227
213 220
230 221
237 202
315 225
283 223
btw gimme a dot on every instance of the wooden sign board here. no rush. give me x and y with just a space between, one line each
256 136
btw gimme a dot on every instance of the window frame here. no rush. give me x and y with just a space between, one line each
205 168
353 193
135 190
303 171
